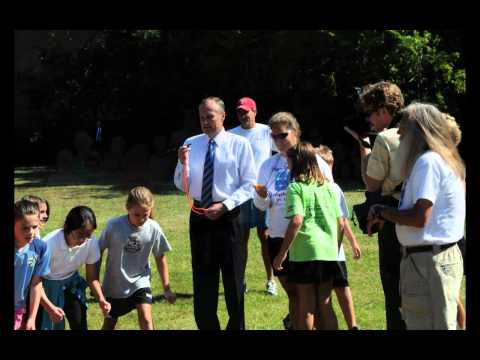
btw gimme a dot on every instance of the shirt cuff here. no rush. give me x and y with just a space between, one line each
229 204
261 203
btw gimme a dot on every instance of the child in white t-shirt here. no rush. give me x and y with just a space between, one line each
340 282
71 247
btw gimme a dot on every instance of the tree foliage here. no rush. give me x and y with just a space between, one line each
134 79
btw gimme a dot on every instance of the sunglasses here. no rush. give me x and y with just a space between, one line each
280 136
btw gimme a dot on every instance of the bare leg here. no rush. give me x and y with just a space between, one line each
306 306
345 300
328 318
292 294
109 323
145 316
263 236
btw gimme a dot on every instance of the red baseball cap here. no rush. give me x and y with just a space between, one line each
246 104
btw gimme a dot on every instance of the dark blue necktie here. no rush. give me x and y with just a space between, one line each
207 182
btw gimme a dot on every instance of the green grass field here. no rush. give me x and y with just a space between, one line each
106 195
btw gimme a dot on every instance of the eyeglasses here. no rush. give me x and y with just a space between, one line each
280 136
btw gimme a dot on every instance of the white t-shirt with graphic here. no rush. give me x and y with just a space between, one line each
432 179
275 175
65 260
260 141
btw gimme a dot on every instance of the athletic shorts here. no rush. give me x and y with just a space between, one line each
123 306
251 216
311 272
340 275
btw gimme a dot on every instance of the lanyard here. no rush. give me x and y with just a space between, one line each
196 210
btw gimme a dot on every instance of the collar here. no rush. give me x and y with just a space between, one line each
63 241
219 138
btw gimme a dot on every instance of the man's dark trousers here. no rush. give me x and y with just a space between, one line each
390 255
216 245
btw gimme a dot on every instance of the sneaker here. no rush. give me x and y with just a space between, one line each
271 287
287 323
355 328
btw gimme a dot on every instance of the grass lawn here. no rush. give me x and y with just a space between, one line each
106 195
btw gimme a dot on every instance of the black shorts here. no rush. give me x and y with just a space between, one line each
121 307
251 217
311 272
274 245
340 276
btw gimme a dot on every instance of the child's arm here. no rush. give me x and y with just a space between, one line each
340 231
35 296
55 313
357 253
162 267
293 227
98 265
94 283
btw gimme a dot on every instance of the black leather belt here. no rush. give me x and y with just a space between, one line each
424 248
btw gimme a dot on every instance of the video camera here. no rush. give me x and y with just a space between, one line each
357 124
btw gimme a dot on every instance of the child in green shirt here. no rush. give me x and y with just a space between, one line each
312 234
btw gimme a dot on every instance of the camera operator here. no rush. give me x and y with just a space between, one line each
381 102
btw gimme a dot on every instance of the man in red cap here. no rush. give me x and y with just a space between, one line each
259 137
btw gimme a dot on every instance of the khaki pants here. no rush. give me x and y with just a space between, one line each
429 286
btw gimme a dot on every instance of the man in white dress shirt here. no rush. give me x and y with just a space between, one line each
220 172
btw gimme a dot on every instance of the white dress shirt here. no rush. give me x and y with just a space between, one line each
234 174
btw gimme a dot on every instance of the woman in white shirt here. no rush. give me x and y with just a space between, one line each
271 190
430 219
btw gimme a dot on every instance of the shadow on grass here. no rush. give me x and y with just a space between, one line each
27 177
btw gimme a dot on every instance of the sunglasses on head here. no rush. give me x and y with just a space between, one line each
280 136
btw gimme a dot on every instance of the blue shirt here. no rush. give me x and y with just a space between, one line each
33 259
234 173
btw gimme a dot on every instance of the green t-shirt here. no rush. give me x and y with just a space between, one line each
317 237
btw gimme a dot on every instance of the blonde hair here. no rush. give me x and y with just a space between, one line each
220 105
286 119
455 131
325 153
429 129
304 164
140 195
